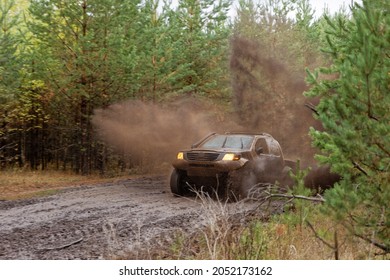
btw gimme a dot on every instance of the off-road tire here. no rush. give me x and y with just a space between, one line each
239 182
177 182
232 192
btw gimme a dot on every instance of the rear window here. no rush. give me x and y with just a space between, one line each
228 142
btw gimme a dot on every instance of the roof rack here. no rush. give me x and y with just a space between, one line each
250 133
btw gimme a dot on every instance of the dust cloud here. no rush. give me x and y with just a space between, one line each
150 134
268 97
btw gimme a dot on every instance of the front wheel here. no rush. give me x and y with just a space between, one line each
177 182
239 183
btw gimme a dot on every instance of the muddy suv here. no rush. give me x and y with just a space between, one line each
229 164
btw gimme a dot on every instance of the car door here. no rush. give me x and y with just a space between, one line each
268 160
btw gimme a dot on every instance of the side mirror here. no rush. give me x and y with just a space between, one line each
259 150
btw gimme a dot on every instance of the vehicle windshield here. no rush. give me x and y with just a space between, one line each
228 142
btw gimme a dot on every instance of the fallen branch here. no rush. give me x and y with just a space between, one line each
264 196
64 246
319 198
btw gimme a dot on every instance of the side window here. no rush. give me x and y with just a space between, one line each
261 144
275 148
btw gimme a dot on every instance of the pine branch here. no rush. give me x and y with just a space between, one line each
319 237
381 246
380 146
351 229
356 165
312 108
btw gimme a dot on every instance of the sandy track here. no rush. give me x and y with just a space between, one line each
97 222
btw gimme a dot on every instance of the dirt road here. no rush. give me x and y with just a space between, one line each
98 222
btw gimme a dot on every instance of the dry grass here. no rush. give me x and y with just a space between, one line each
271 240
27 184
279 237
295 242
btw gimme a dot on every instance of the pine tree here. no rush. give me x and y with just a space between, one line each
10 79
153 50
9 38
200 33
354 110
85 58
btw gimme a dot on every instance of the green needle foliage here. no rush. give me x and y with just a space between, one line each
354 111
9 40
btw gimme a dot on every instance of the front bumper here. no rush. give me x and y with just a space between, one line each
208 168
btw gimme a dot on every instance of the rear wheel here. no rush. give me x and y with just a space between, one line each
177 182
285 179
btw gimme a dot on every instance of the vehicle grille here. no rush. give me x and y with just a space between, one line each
201 156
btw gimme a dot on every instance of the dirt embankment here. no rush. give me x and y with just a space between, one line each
98 222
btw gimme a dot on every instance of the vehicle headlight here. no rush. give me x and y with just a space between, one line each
231 157
180 155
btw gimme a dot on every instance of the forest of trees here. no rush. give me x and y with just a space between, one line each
61 60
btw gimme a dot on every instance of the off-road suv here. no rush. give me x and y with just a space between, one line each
229 163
